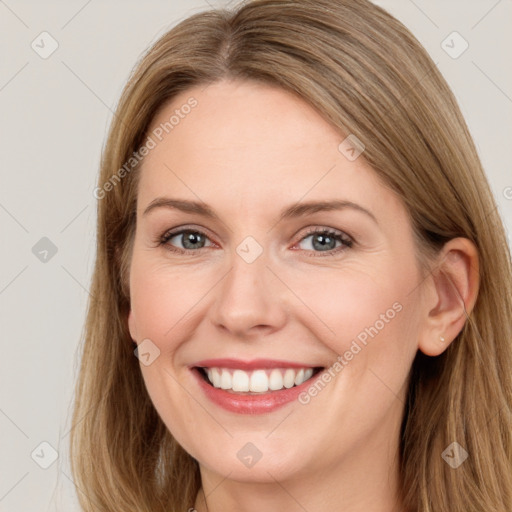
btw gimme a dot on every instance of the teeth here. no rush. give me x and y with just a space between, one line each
225 380
257 381
215 377
289 378
276 380
299 378
239 381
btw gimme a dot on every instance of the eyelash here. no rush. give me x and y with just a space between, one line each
346 241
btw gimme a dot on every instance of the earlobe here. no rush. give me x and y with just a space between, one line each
455 281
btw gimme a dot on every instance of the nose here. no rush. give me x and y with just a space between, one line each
250 300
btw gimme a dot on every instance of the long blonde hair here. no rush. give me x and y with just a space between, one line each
367 75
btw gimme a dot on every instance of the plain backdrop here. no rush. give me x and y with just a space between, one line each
55 113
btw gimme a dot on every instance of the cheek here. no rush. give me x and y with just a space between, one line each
160 297
364 313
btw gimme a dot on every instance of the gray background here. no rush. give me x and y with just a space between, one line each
54 118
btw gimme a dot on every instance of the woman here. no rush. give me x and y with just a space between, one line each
302 296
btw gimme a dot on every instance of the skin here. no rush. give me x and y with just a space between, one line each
248 151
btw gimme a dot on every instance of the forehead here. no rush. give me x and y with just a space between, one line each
245 116
250 144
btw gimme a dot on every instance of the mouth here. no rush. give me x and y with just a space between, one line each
259 386
257 381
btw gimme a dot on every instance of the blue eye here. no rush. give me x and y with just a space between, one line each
191 239
325 241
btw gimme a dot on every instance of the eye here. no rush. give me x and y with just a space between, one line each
325 241
191 239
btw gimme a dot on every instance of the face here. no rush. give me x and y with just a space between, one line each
250 296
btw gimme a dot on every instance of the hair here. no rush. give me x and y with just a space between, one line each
367 75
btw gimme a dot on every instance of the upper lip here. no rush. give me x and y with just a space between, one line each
239 364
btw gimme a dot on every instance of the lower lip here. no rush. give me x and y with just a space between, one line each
251 404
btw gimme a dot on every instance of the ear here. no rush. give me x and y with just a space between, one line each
451 297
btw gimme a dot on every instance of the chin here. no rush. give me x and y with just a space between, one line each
260 460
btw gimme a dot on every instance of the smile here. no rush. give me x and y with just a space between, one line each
260 386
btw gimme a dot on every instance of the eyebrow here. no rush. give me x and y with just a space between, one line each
299 209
